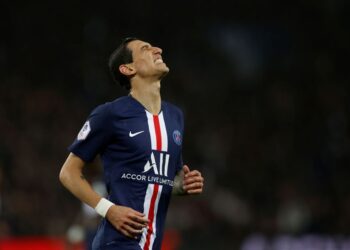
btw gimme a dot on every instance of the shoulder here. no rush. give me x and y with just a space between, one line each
120 102
111 108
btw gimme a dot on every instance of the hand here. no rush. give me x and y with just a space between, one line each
127 220
193 181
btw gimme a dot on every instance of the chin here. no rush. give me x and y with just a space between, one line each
165 68
164 72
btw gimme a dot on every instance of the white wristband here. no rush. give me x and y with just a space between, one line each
103 206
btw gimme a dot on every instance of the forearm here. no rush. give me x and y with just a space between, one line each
126 220
72 178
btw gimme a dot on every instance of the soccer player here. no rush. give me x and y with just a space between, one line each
139 139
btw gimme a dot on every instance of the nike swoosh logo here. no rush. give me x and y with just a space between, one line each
135 134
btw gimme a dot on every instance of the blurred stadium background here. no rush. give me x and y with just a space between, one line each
264 86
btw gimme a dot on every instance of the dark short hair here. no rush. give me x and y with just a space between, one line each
122 55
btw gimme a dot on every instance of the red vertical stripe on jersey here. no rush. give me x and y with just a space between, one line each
151 216
158 133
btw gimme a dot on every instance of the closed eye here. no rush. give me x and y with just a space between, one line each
145 47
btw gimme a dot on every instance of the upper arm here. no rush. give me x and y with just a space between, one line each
94 135
72 165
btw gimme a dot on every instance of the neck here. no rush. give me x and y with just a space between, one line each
148 95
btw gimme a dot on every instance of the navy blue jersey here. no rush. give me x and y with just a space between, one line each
141 154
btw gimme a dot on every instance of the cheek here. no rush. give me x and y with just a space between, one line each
142 66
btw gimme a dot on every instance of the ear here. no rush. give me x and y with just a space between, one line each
126 69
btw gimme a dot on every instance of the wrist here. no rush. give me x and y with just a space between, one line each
178 185
178 190
102 207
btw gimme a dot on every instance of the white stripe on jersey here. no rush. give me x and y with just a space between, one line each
164 132
147 240
153 236
146 207
147 211
152 130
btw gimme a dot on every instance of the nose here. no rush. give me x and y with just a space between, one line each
157 50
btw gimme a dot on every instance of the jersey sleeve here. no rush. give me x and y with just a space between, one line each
94 135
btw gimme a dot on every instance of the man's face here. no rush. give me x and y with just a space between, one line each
147 60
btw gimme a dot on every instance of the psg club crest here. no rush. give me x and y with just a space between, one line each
177 137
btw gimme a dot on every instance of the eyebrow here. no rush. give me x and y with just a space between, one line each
145 46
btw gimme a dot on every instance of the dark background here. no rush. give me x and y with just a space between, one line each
263 85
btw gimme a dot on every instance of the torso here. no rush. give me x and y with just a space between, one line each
141 157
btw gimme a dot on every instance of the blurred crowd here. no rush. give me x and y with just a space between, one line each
265 97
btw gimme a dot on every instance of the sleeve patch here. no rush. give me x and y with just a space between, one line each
84 132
